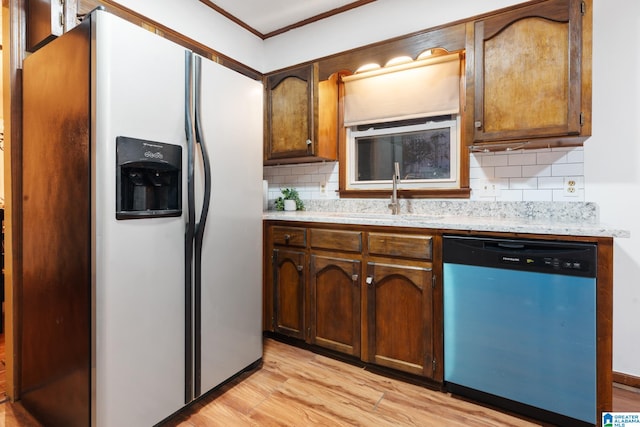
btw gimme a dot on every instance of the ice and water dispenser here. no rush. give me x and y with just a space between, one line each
148 179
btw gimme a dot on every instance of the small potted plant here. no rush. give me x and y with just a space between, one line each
289 201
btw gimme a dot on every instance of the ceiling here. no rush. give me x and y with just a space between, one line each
267 18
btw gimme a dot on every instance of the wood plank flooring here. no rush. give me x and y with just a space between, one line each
296 387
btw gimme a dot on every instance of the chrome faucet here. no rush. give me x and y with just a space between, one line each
395 205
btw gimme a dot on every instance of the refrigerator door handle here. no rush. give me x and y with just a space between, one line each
200 225
189 118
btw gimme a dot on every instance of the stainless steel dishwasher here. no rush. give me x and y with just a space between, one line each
520 325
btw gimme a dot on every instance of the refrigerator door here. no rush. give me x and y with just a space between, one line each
138 264
231 294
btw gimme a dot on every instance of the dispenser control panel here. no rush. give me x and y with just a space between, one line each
148 179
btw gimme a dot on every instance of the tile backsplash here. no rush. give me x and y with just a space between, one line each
312 180
544 175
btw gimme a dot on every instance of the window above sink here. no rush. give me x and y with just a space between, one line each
426 150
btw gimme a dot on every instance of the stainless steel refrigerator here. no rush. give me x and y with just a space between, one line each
142 234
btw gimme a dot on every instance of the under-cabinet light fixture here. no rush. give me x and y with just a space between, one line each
368 67
432 52
398 60
402 60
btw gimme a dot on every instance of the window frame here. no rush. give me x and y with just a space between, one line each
464 192
452 122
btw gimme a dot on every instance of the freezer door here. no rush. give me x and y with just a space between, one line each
138 265
231 294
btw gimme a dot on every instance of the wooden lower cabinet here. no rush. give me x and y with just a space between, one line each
289 292
399 317
334 304
367 294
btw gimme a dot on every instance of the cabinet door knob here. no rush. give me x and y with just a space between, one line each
308 142
369 280
354 277
478 124
299 267
287 237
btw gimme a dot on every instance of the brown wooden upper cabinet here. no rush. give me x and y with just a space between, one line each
48 19
531 75
301 117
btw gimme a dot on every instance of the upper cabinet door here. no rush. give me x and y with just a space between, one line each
301 117
48 19
290 108
529 79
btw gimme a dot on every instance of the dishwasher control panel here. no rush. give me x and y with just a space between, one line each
553 257
551 262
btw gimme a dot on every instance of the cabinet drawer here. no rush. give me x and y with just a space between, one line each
290 236
348 241
401 245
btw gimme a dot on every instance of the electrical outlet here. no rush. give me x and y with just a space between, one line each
570 187
488 189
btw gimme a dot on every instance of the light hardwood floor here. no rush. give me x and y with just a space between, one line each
296 387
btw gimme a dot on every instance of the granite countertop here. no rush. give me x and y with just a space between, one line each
562 219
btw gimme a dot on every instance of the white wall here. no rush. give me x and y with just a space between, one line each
612 162
376 21
199 22
611 156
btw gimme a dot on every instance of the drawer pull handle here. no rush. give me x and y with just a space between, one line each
287 237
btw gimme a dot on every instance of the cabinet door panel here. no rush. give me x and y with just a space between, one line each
335 304
538 96
289 298
45 21
290 120
400 317
528 79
